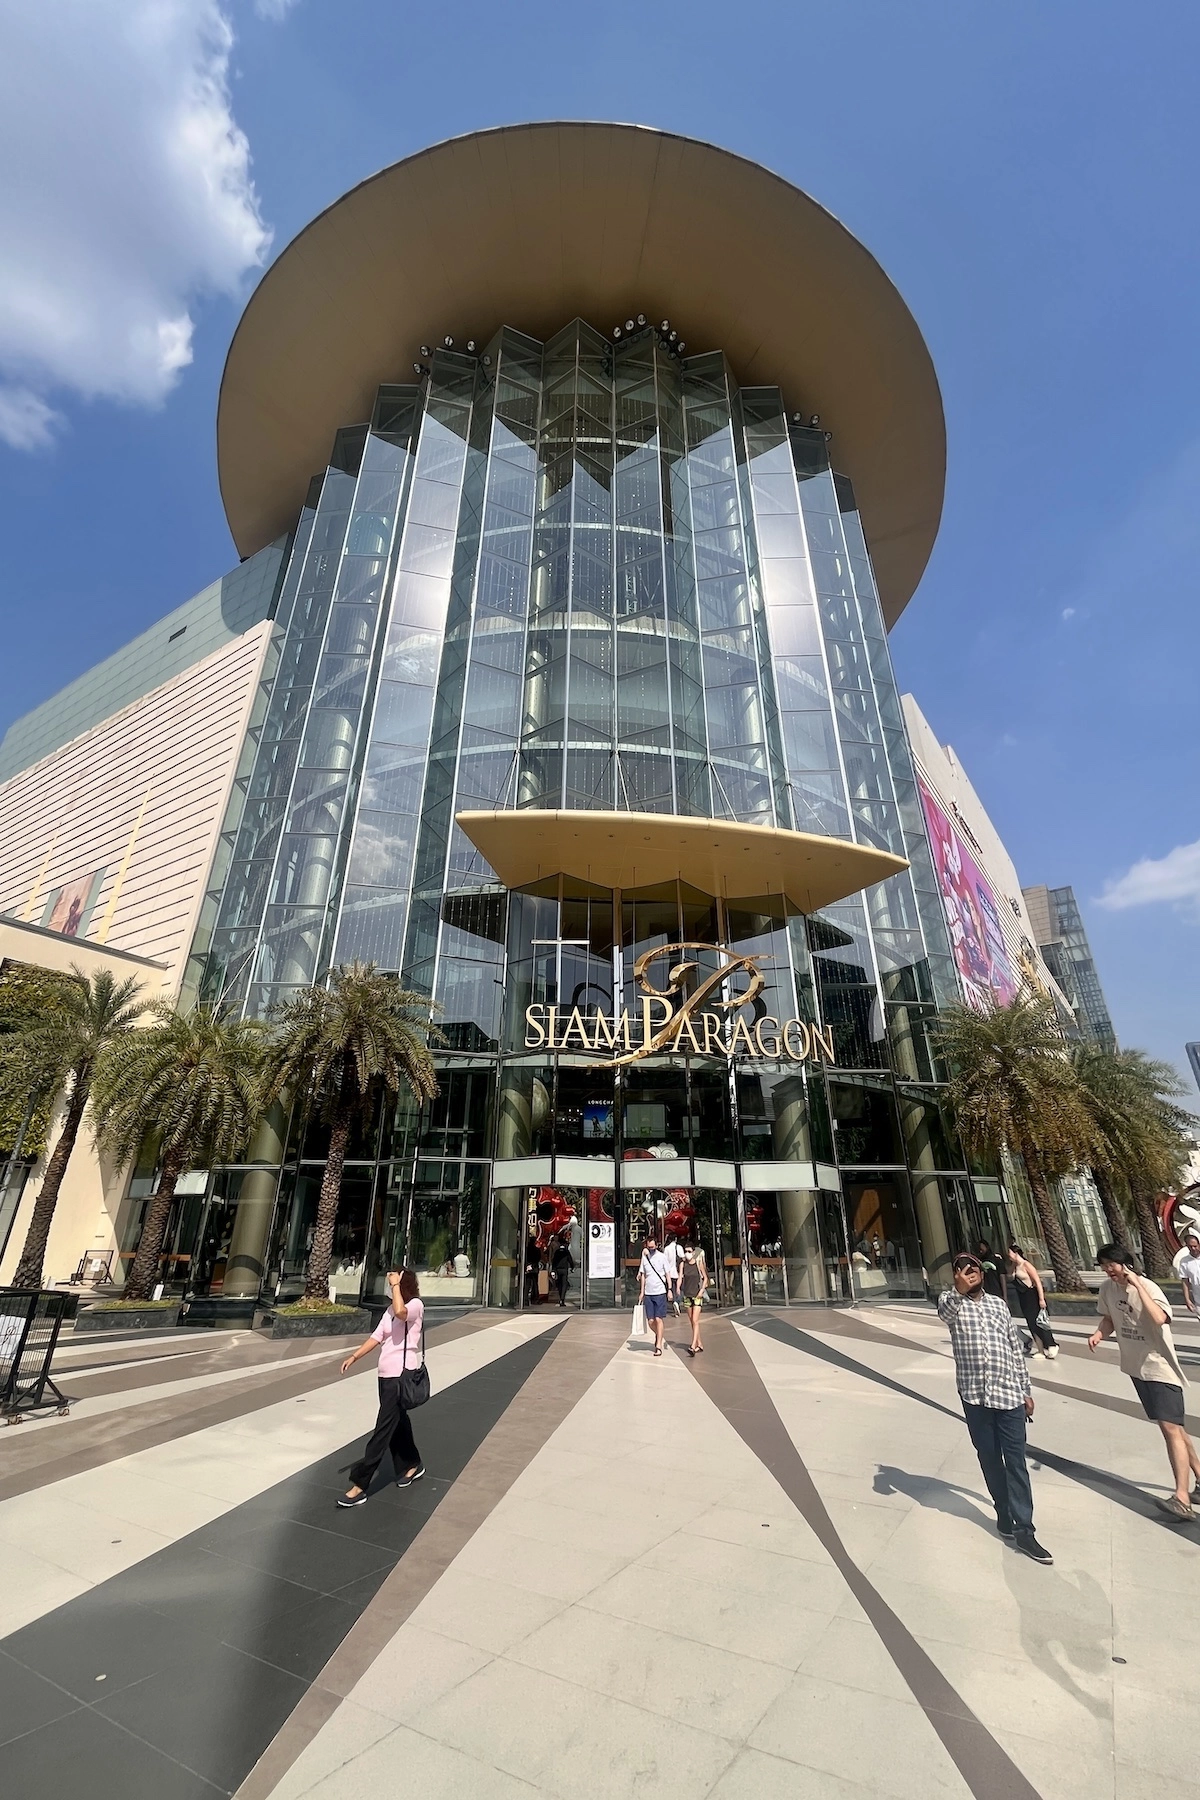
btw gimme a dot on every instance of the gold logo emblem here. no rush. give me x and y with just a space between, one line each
704 1017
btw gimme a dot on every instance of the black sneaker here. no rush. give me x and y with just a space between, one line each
1028 1545
345 1500
407 1480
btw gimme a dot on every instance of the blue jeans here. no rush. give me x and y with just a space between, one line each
998 1434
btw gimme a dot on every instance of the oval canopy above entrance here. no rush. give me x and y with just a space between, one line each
715 856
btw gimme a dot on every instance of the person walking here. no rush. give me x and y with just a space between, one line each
693 1286
1138 1314
993 1274
1189 1270
654 1283
1031 1297
561 1264
400 1338
997 1400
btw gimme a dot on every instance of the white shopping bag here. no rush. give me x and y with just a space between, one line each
639 1321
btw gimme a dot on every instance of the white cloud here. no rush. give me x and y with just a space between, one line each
1174 877
127 196
26 422
274 10
1068 612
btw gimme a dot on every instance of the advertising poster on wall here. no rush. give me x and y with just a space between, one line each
69 906
602 1250
972 912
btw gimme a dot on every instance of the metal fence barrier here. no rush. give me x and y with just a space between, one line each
30 1321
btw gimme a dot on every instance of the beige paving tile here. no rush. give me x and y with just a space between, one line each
1070 1706
564 1567
850 1653
31 1586
1059 1773
1133 1783
753 1775
885 1745
418 1667
696 1685
83 1540
766 1626
407 1761
1150 1733
488 1614
777 1534
747 1572
349 1733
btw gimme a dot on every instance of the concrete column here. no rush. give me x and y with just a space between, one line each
791 1141
244 1267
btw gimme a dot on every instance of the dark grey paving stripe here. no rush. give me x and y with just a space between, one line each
727 1374
570 1366
65 1446
1101 1481
206 1647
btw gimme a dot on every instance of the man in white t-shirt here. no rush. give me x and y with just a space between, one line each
1189 1269
672 1259
653 1286
1138 1314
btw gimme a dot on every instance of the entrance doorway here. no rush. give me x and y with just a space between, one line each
583 1246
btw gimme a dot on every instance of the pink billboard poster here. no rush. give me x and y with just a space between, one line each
972 913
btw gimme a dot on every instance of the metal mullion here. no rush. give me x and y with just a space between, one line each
333 920
300 744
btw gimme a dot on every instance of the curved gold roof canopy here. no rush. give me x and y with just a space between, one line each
533 225
633 850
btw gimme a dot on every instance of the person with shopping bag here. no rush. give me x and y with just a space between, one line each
654 1287
403 1386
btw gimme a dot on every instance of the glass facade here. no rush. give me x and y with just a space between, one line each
587 574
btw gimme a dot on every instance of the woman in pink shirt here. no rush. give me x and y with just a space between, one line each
399 1336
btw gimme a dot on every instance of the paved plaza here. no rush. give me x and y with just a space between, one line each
772 1571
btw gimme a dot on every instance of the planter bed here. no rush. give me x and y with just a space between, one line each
129 1317
348 1321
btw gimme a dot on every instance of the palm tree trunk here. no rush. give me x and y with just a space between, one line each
316 1286
143 1277
1154 1254
33 1256
1114 1218
1067 1278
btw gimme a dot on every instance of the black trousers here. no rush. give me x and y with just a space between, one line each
392 1432
1028 1301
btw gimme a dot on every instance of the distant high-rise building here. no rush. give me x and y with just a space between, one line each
1062 940
1193 1053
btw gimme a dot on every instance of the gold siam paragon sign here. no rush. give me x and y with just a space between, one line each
704 1019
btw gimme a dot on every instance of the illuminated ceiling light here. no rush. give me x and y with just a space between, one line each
449 343
815 420
425 350
471 345
629 324
665 326
641 318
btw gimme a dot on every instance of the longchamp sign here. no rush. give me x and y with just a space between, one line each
708 1021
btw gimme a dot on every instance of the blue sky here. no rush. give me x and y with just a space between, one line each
1025 174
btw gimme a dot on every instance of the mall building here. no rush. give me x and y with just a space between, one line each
578 473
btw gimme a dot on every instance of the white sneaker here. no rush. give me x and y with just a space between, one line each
1037 1356
1053 1352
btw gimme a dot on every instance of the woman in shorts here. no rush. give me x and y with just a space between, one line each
693 1284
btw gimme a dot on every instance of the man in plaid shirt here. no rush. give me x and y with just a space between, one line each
993 1385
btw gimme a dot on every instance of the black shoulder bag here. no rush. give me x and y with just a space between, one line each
414 1383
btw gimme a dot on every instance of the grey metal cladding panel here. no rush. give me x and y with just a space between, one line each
213 617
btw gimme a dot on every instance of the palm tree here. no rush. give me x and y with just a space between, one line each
1103 1077
1143 1131
59 1031
1012 1087
341 1044
190 1083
